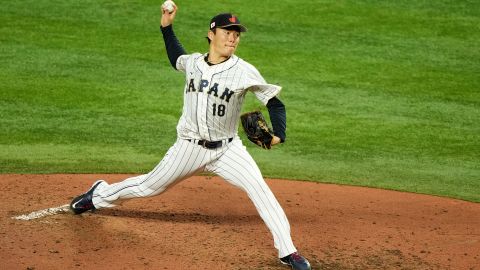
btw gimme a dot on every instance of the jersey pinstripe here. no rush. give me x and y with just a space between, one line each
214 95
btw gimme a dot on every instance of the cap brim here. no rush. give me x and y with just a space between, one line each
236 25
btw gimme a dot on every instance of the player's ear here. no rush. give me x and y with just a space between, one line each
210 34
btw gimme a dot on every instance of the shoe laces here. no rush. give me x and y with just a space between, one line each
297 257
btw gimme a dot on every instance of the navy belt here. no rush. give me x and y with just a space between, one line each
210 144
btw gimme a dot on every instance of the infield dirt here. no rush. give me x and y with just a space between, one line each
205 223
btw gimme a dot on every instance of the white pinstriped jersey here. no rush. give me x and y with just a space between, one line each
214 95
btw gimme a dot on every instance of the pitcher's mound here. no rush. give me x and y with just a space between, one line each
205 223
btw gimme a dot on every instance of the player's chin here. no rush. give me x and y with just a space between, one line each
230 50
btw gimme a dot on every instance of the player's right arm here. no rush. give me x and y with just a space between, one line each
173 46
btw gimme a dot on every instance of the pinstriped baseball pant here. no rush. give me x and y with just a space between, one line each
232 162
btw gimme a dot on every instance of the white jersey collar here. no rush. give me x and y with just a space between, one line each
203 65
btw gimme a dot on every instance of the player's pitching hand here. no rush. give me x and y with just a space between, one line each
168 16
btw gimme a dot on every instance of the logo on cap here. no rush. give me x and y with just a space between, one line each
212 25
233 19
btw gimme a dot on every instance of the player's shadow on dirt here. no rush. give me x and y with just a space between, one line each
169 216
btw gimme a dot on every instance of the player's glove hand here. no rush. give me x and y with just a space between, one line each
257 129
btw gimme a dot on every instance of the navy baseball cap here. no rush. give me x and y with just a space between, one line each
226 20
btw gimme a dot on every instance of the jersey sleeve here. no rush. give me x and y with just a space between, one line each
257 84
181 64
187 61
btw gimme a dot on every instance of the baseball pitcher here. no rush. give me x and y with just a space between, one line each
216 83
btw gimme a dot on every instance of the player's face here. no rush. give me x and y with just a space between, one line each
224 41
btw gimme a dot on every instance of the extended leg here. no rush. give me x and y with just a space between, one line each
181 161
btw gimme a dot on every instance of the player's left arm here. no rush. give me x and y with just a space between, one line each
278 117
268 95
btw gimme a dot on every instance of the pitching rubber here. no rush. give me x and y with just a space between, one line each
45 212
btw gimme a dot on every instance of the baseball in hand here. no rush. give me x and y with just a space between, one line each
168 6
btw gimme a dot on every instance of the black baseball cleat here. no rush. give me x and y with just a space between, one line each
83 203
296 261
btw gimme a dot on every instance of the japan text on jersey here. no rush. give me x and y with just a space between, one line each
214 95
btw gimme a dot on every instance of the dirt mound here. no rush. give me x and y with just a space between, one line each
205 223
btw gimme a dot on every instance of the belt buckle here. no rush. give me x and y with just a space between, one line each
204 144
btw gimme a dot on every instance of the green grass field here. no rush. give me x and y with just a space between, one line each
378 93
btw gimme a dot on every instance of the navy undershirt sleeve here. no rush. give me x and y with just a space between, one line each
278 117
173 46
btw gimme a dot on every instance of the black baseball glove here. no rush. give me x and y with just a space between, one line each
257 129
